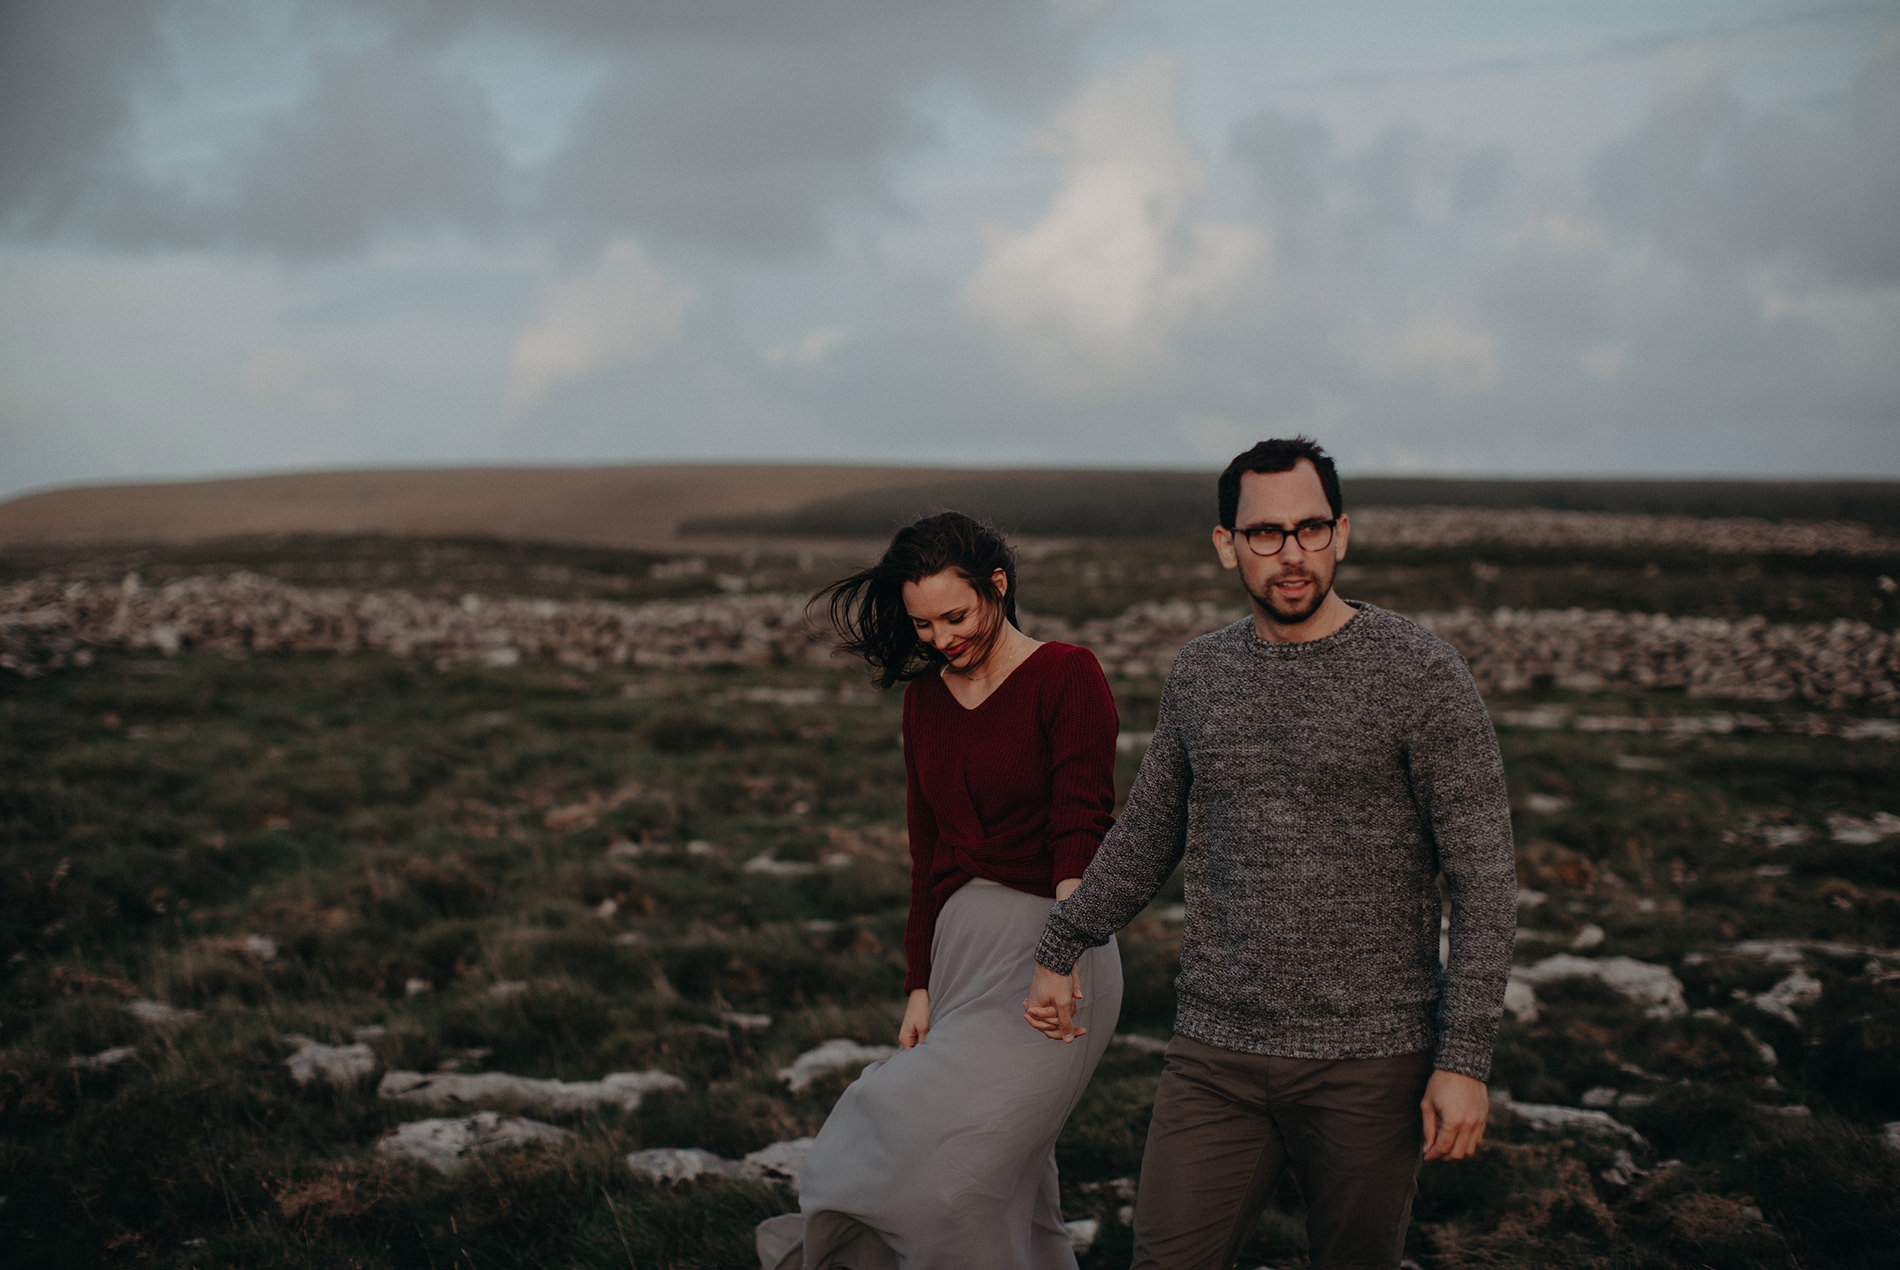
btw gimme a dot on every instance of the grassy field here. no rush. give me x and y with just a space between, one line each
411 838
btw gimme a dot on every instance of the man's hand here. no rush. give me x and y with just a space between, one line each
916 1025
1050 1005
1455 1108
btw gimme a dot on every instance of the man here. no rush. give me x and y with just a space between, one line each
1319 765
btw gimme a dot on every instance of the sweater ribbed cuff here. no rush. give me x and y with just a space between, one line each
1465 1054
1061 945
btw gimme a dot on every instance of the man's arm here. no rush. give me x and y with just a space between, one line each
1135 858
1458 780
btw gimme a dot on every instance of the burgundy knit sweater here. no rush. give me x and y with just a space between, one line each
1019 790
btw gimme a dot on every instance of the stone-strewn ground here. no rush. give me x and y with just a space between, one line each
47 624
1389 527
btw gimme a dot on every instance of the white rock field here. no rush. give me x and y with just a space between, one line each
49 622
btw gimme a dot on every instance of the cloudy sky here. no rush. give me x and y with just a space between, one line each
1510 236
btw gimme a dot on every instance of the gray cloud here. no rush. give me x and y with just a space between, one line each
1637 45
385 141
1460 311
743 150
66 76
735 126
749 136
1722 185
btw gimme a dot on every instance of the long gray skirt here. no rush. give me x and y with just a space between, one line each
944 1154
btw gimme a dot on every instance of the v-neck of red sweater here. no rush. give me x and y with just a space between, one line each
997 691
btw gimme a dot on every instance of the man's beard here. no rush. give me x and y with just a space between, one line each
1270 606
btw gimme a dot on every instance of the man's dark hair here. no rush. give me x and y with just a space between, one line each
867 608
1278 456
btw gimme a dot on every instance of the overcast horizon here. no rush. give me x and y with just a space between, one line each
1209 467
1527 238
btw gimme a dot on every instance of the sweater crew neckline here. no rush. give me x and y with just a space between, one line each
1341 638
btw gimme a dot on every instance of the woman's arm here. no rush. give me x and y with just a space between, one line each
921 823
1080 724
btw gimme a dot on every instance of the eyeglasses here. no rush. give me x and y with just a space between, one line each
1270 540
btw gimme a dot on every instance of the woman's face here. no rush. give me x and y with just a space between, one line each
952 618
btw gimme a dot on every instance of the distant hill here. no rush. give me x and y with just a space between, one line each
1142 504
632 507
655 506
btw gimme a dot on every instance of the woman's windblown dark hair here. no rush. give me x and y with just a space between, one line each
867 608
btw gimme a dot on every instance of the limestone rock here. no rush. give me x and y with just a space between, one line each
771 868
1520 1000
778 1162
157 1012
1798 991
1550 1116
834 1055
1855 832
450 1089
1589 937
446 1144
1651 985
340 1065
679 1164
1623 1171
746 1022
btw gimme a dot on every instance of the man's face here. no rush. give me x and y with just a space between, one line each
1287 588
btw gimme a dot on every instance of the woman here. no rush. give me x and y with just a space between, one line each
944 1155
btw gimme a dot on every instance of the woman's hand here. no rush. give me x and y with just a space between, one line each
916 1025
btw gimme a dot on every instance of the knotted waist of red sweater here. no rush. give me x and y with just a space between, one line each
1018 790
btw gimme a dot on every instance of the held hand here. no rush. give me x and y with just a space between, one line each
916 1025
1050 1005
1455 1108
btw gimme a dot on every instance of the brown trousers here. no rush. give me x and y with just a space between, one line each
1226 1124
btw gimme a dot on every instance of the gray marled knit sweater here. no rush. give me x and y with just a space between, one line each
1317 789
